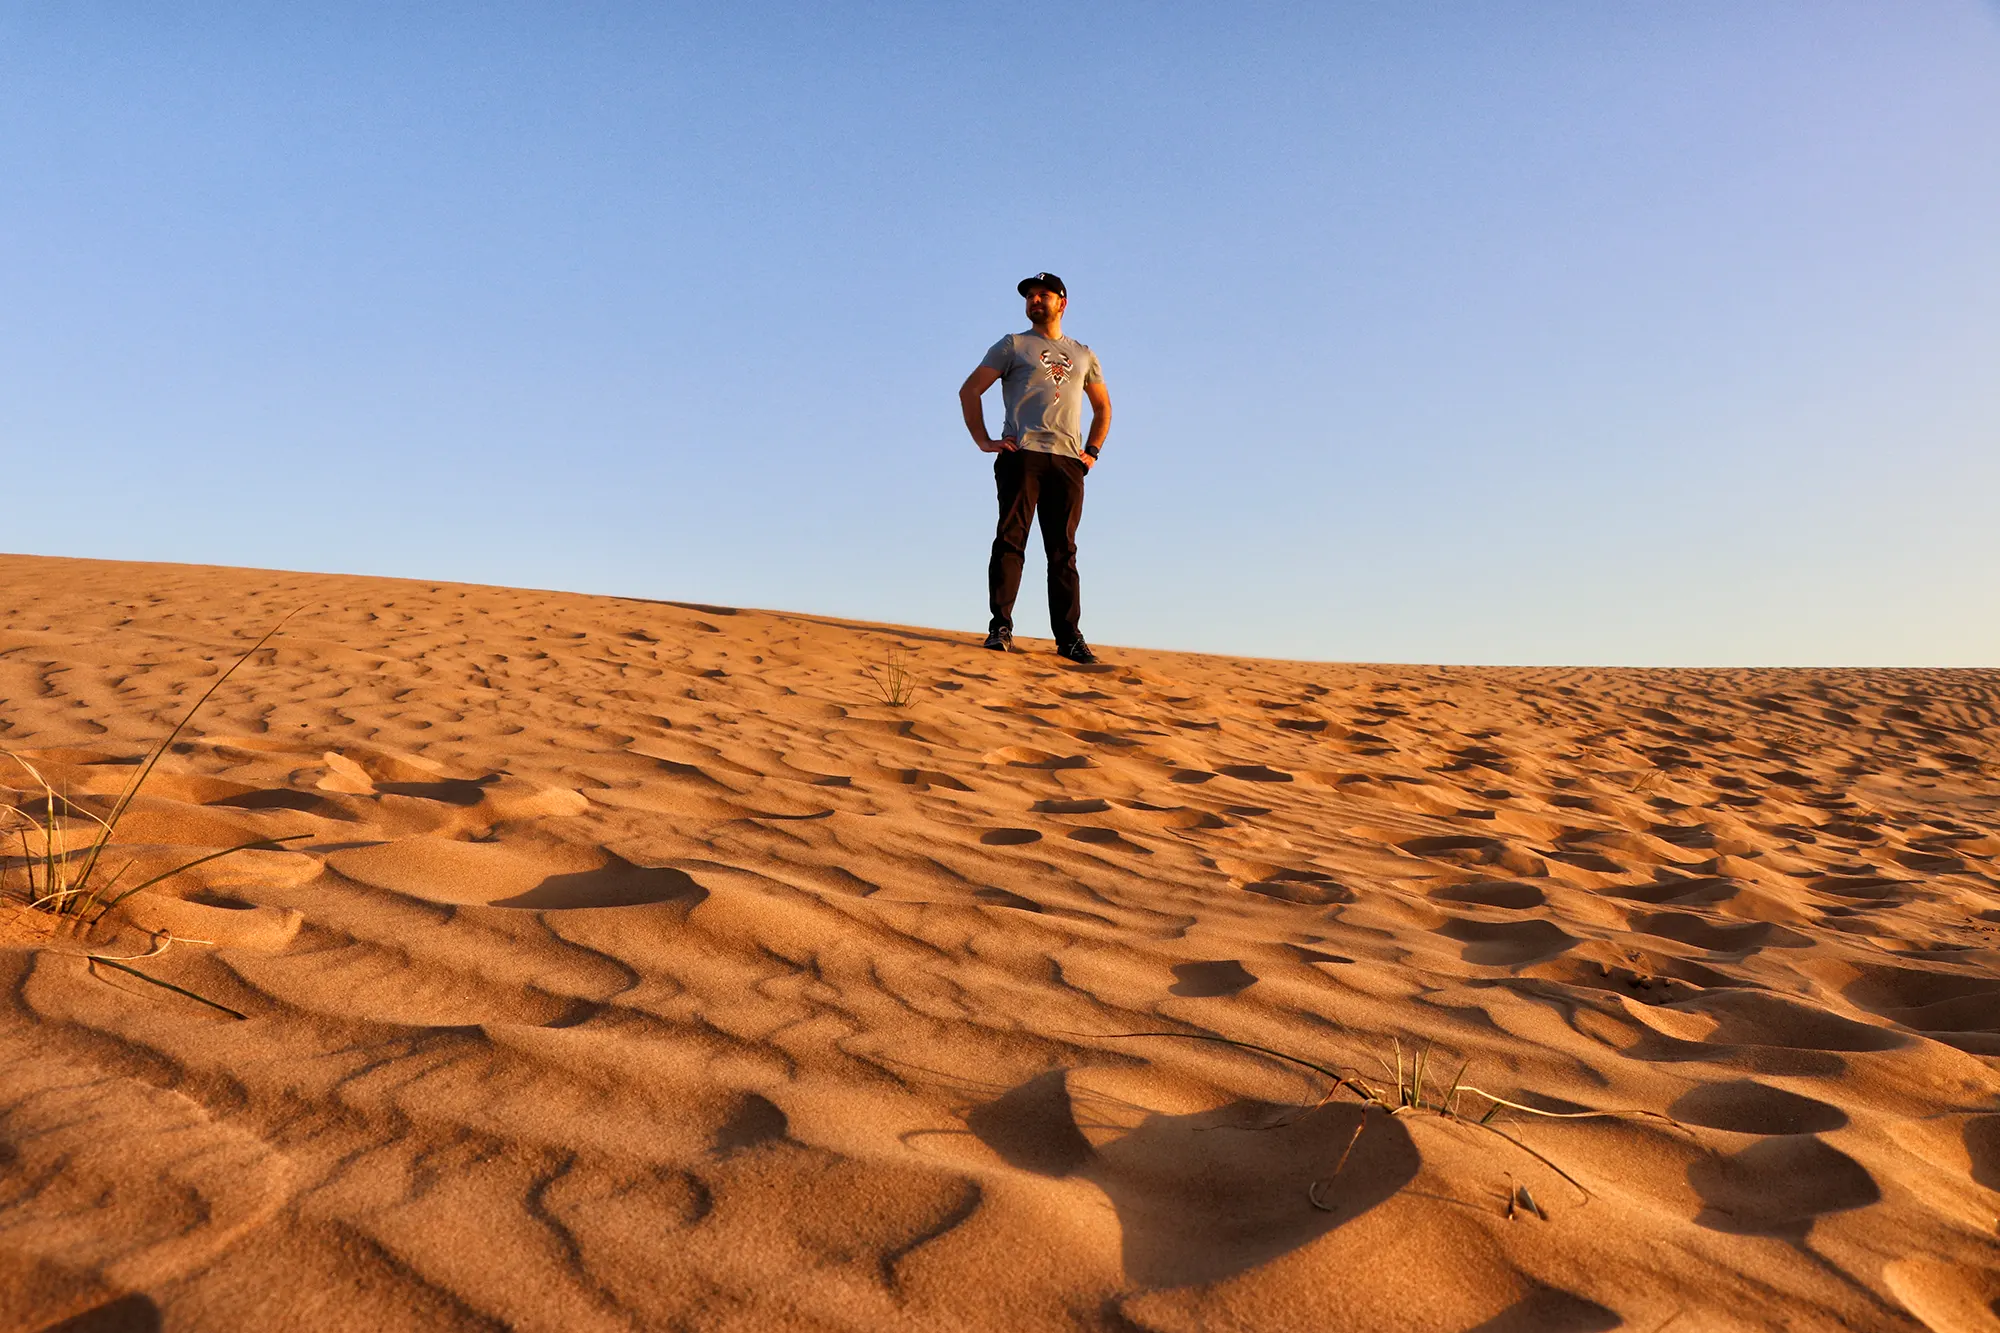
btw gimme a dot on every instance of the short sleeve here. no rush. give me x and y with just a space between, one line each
1000 356
1094 375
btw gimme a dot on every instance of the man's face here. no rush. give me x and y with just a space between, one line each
1044 305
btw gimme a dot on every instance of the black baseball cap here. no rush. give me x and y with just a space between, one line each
1048 280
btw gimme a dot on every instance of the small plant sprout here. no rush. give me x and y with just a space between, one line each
1520 1202
892 678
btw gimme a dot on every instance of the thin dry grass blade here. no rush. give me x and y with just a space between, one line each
1340 1080
256 844
1571 1115
51 797
160 946
1457 1084
168 985
53 893
1509 1138
125 797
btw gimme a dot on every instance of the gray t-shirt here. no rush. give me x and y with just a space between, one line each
1041 382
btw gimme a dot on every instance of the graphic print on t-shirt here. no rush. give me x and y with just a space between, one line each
1058 364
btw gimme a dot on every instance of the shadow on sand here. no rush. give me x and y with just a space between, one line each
1203 1197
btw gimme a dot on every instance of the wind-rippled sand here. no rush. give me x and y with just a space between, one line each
639 968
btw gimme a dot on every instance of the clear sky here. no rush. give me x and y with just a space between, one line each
1587 332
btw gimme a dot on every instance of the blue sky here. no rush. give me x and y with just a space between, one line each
1590 332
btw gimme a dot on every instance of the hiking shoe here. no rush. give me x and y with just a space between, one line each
1001 641
1077 651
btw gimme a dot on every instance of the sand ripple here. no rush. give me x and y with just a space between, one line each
633 965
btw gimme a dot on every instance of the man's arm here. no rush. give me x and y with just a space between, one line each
1100 420
977 383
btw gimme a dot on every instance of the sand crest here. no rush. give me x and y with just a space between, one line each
634 965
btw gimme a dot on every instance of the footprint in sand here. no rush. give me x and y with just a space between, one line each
923 779
1033 1127
499 875
1025 756
1083 807
1002 898
1650 978
1306 887
1779 1186
1949 1298
1507 943
1306 955
284 798
1889 989
1211 980
1860 888
366 771
1744 1106
1952 1007
1009 837
1760 1018
754 1121
1196 1206
1193 1205
1742 937
219 918
1586 859
1104 738
1473 850
1254 773
164 1188
1688 837
1680 889
1108 837
1982 1149
1492 893
1478 756
1197 1203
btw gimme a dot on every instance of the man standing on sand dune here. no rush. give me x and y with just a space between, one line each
1043 458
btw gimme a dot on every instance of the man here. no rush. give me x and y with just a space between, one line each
1043 458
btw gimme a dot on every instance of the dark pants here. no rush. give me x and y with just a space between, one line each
1049 486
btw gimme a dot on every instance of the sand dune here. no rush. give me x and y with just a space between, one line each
635 966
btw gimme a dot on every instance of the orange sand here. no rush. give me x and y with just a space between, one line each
642 970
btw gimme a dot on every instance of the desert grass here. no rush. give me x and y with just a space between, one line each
68 883
893 681
64 881
1410 1085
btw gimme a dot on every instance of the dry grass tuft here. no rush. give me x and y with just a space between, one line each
66 881
892 678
